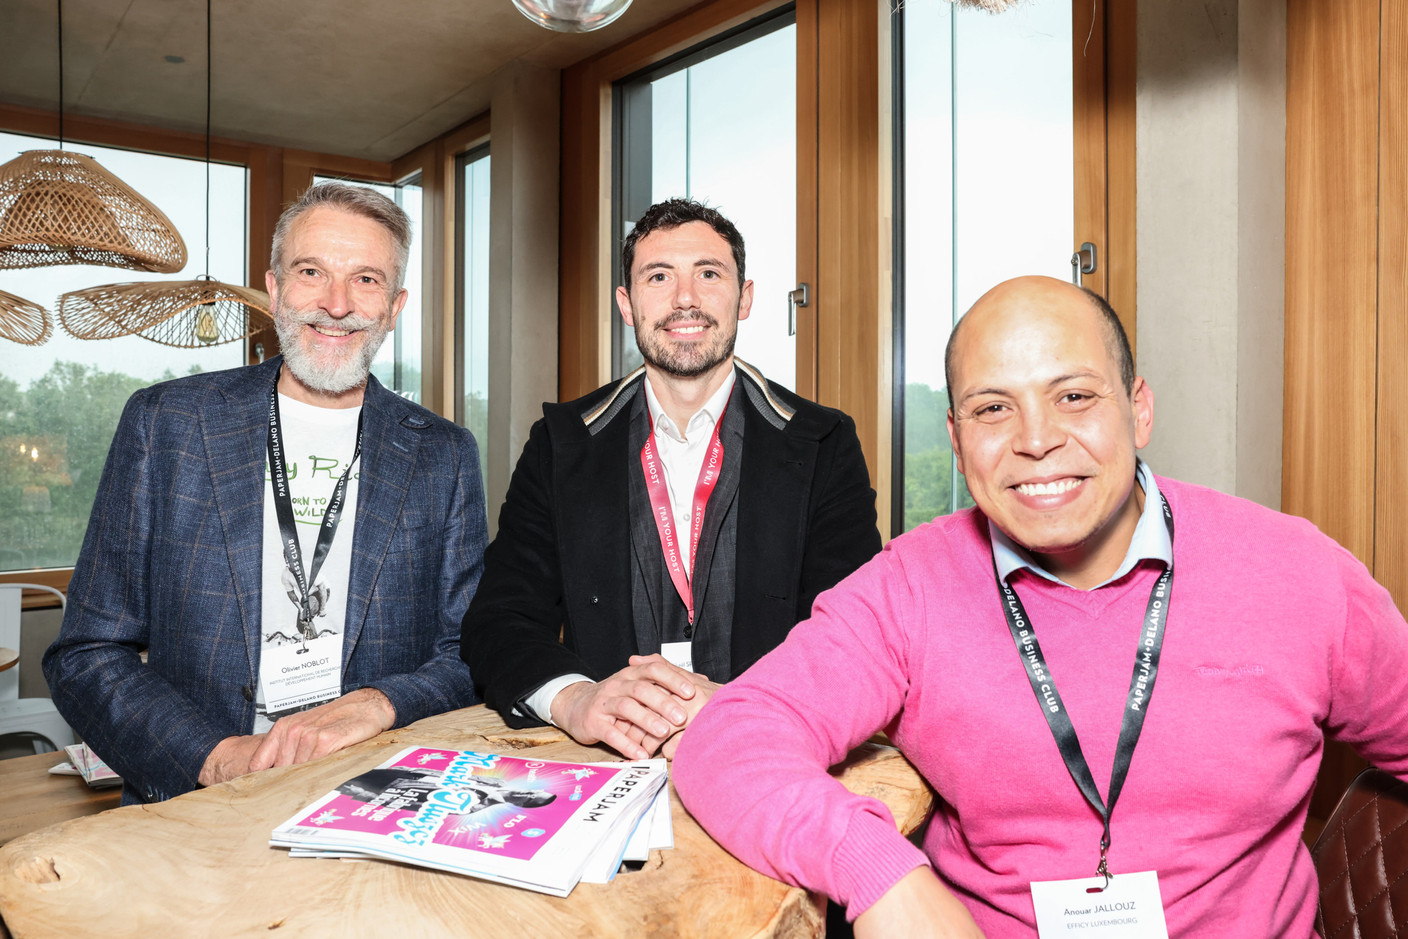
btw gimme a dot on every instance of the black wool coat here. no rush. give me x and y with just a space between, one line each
555 596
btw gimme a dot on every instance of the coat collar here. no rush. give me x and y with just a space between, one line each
600 407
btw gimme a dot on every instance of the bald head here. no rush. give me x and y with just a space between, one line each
1034 295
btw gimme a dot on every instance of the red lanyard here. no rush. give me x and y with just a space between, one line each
664 512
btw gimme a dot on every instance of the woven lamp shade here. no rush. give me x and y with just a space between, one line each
24 322
188 314
60 207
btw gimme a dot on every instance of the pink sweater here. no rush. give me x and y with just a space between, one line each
1274 633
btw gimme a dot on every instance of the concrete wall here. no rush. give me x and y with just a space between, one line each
523 153
1211 177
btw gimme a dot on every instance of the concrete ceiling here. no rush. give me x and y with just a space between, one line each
363 78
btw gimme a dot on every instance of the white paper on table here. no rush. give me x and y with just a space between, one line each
606 860
658 834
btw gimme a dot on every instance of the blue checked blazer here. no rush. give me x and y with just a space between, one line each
172 563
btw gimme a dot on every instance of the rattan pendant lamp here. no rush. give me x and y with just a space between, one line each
21 321
60 207
183 313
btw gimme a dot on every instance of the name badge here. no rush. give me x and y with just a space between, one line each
1129 908
297 675
678 653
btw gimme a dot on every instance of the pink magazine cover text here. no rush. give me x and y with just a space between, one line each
498 805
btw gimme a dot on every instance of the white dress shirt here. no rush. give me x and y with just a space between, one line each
682 454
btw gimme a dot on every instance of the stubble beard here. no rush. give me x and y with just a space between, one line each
687 361
329 373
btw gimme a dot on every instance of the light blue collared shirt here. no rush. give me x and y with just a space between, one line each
1150 542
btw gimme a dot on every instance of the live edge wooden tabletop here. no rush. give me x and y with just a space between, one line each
201 865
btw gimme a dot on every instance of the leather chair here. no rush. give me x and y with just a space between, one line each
1361 859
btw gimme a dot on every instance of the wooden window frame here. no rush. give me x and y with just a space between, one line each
1103 89
276 177
1105 150
435 162
264 168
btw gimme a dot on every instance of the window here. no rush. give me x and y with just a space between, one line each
472 295
60 402
718 124
984 192
398 362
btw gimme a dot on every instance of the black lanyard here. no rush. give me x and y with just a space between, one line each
283 507
1141 689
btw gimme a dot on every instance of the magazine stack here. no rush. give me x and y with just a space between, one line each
82 761
535 824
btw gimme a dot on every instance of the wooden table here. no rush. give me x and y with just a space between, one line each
33 799
201 865
9 658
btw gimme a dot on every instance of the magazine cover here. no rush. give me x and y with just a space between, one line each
531 823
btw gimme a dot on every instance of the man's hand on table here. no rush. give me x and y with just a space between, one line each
229 759
917 905
356 716
645 704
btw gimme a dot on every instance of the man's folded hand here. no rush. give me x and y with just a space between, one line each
635 710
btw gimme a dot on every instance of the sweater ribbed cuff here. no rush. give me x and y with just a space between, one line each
871 858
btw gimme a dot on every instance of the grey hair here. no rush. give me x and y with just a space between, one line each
358 200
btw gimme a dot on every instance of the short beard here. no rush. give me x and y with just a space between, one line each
328 377
680 363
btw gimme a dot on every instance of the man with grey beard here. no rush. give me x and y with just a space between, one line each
292 544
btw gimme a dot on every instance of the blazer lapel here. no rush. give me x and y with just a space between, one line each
235 427
386 470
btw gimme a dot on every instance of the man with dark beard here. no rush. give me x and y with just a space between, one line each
665 531
293 544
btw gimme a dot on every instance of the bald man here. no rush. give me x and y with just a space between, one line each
1094 779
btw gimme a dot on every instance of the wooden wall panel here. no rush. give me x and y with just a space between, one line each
808 82
1088 118
1332 114
1121 197
300 166
1333 293
266 188
854 350
1103 76
1391 477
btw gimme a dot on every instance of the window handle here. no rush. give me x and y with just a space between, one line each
1084 261
795 298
